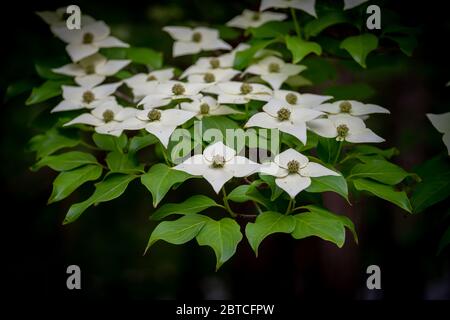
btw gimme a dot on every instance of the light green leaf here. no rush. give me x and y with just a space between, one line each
194 204
145 56
123 163
276 190
49 89
139 142
266 224
371 150
221 123
245 193
316 26
301 48
50 142
244 58
66 161
360 46
379 170
271 29
336 184
47 73
110 143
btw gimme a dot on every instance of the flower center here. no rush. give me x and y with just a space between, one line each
204 108
246 88
108 116
218 161
89 69
345 106
154 115
88 97
209 77
151 78
274 67
342 132
88 38
197 37
256 16
214 63
291 98
284 114
178 89
293 166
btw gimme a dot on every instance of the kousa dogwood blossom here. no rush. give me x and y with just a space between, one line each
293 171
160 123
274 70
58 17
143 84
92 70
207 106
85 96
235 92
442 124
106 118
254 19
87 40
282 116
305 5
344 128
349 4
299 100
191 41
168 91
213 76
351 107
218 164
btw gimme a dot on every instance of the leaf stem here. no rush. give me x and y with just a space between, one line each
226 204
290 206
338 153
89 146
297 26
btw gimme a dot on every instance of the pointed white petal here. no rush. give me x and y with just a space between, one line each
275 79
349 4
111 42
217 177
440 121
363 136
313 169
241 166
273 169
195 165
85 118
323 127
181 48
112 67
66 105
263 120
162 132
80 51
283 158
174 117
89 81
179 33
446 139
293 184
297 129
105 90
218 149
70 69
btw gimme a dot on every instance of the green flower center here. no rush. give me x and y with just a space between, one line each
214 63
89 69
88 97
209 77
151 78
204 108
246 88
218 161
108 116
345 106
283 114
274 67
291 98
293 166
154 115
256 16
197 37
178 89
342 132
88 38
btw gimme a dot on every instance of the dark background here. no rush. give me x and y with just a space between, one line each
107 242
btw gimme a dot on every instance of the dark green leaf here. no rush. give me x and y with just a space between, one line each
316 26
379 170
110 143
244 58
66 161
145 56
123 163
50 142
139 142
194 204
360 46
49 89
336 184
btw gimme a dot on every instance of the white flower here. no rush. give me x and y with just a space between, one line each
160 123
207 106
106 118
85 96
351 107
144 84
282 116
293 171
254 19
274 71
306 5
87 40
92 70
57 18
239 92
167 91
218 164
349 4
344 127
213 76
295 99
191 41
442 124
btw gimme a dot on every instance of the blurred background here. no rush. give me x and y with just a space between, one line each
107 242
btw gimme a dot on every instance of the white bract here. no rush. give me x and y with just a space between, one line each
106 118
87 40
143 84
254 19
58 17
274 70
92 70
191 41
280 115
351 107
239 92
293 171
442 124
349 4
207 106
295 99
306 5
213 76
85 96
160 123
218 164
344 128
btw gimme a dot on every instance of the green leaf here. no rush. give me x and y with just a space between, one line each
17 88
221 123
323 224
360 46
327 149
139 142
145 56
49 89
178 231
194 204
271 29
66 161
379 170
47 73
244 58
336 184
50 142
270 180
406 43
112 187
301 48
160 178
385 192
68 181
266 224
245 193
123 163
316 26
222 236
371 150
110 143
